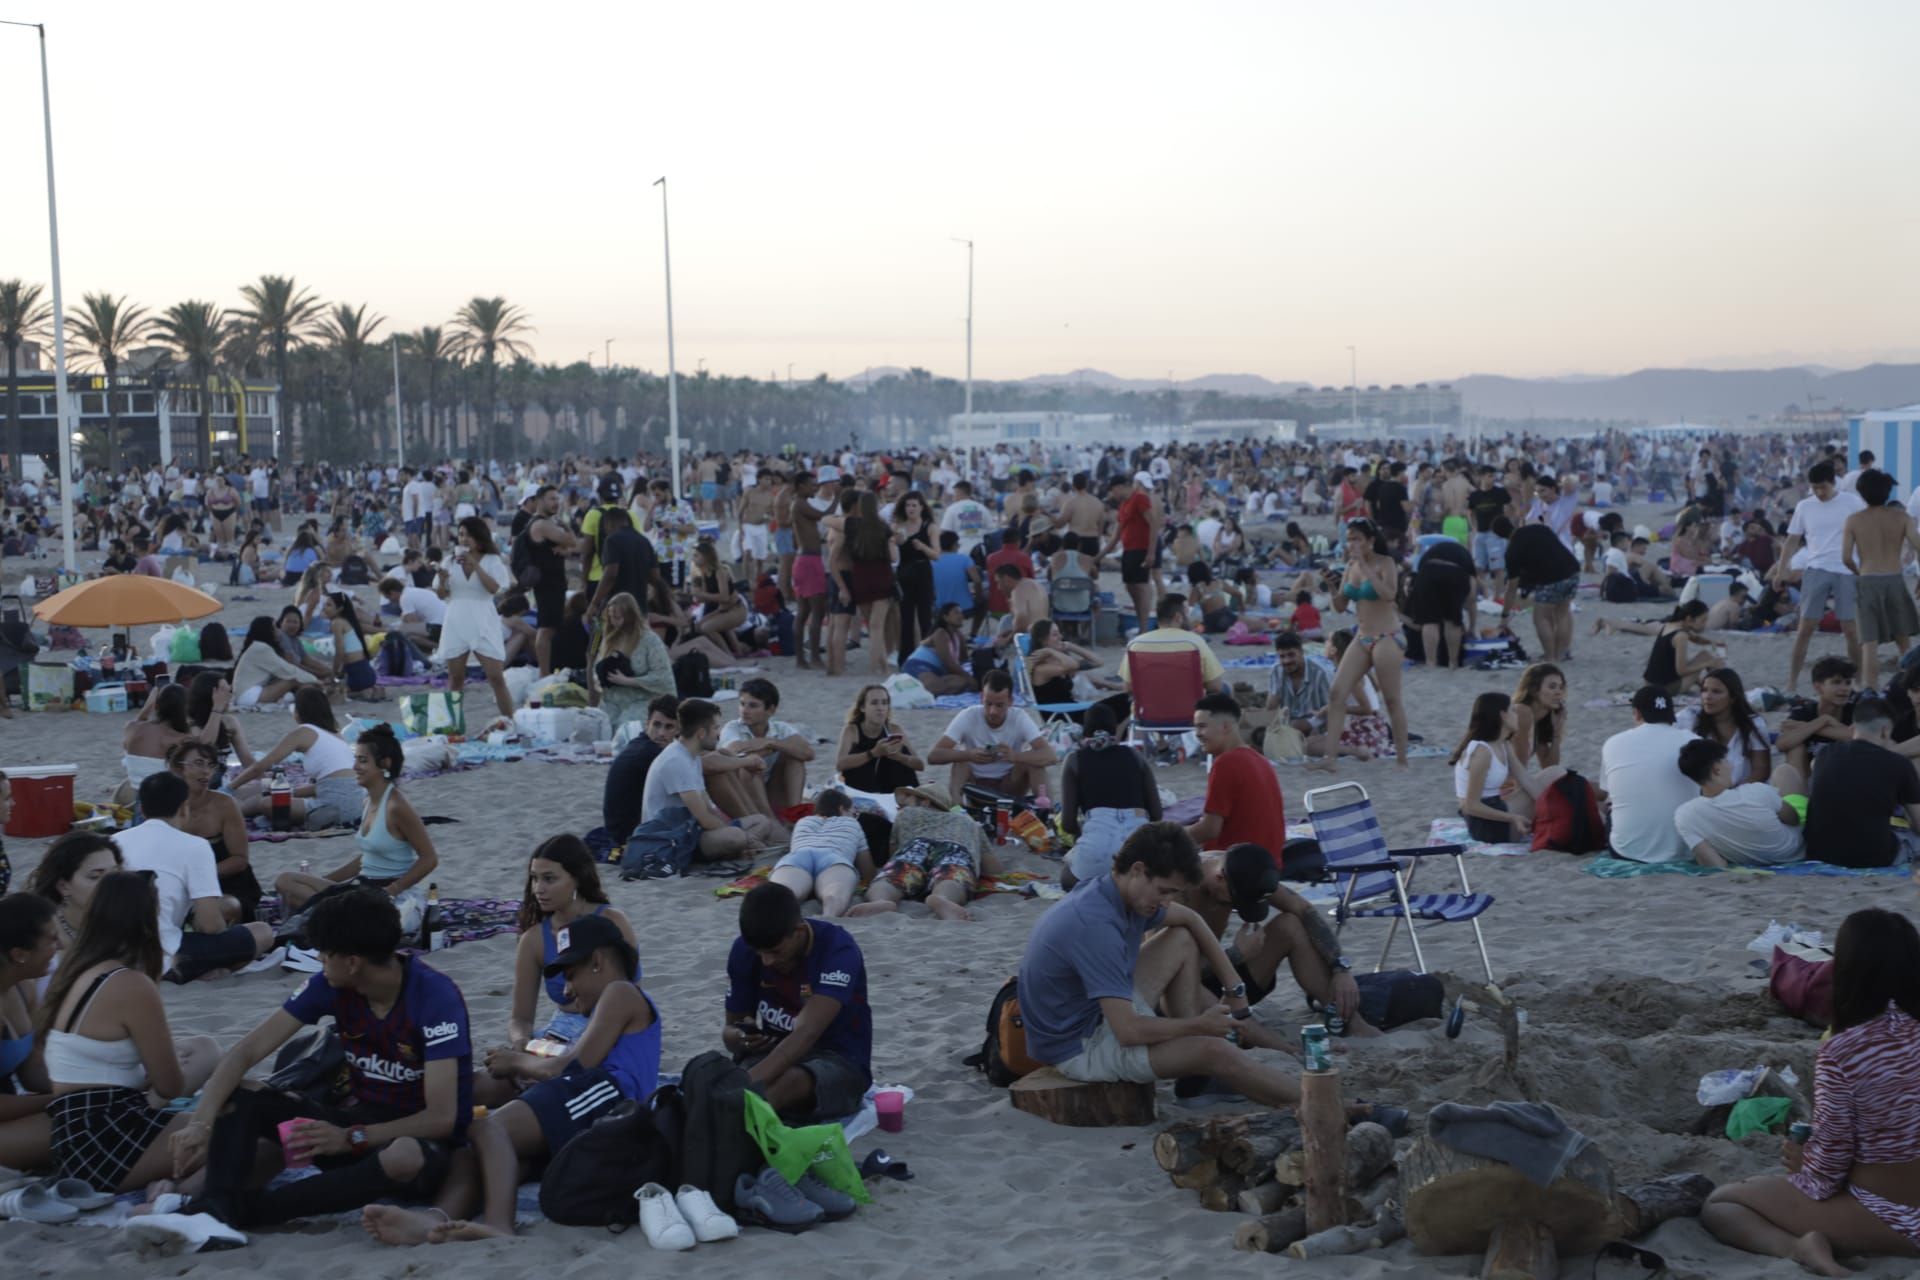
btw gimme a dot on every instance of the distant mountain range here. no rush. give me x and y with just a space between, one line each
1729 396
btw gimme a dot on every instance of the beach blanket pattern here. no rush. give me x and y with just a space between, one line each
1622 868
1454 831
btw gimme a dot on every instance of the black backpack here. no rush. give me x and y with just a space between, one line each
693 676
590 1181
313 1064
715 1147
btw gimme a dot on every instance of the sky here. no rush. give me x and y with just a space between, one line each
1529 189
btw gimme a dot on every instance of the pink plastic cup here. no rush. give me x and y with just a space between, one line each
892 1106
288 1128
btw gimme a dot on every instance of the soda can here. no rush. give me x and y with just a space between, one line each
1799 1131
1336 1025
1316 1047
1002 821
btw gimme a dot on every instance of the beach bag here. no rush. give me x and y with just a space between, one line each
715 1147
662 847
397 656
819 1149
1283 741
1567 817
354 573
1803 986
439 711
693 675
909 694
1003 1054
1618 588
1399 996
590 1181
312 1065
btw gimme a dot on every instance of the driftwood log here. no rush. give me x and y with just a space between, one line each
1369 1150
1384 1230
1223 1194
1521 1250
1271 1233
1264 1198
1643 1207
1323 1149
1453 1201
1233 1142
1051 1096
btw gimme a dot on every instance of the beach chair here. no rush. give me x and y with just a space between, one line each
1376 882
1070 600
1164 687
1062 712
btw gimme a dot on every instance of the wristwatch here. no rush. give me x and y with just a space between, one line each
357 1140
1238 991
1342 965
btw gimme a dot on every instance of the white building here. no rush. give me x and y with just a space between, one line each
1893 437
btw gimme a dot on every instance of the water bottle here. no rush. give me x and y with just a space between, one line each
280 801
433 935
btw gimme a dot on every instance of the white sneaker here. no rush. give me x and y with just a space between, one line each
662 1222
704 1216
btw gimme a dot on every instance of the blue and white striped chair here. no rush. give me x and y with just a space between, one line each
1375 883
1023 695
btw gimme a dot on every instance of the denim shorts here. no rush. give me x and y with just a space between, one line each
1489 553
814 861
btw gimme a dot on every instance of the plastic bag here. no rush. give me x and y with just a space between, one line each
820 1149
1720 1088
160 643
184 646
907 692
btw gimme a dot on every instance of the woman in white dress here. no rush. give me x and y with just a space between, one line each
472 626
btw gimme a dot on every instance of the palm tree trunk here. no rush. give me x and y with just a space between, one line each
13 410
113 418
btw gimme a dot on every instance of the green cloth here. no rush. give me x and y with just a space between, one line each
1799 805
818 1148
1758 1115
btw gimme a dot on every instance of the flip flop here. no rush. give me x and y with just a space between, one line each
36 1204
79 1194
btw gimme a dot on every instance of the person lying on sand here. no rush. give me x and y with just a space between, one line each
617 1058
797 1013
939 855
821 857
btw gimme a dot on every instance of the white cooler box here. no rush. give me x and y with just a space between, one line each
564 724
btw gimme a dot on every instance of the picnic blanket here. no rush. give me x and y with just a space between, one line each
956 701
1416 751
466 919
1454 831
1005 882
1608 868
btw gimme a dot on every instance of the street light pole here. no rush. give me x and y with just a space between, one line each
61 411
399 417
1353 383
673 390
968 410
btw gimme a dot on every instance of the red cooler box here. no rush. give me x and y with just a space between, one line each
42 799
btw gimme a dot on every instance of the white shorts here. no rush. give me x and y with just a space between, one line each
1103 1058
756 541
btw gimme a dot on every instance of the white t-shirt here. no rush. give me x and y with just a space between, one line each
183 868
259 480
1616 561
968 519
737 731
970 729
1640 770
674 772
1743 825
431 608
1819 524
416 499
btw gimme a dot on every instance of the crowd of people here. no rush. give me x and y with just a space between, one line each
968 577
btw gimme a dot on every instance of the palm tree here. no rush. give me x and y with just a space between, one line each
23 318
196 331
435 348
349 331
484 330
285 316
106 329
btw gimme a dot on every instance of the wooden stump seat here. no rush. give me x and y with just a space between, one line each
1051 1096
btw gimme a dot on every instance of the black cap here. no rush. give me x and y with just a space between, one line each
1303 859
1251 879
574 944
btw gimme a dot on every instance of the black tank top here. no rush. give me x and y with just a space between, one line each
1109 779
1662 669
879 775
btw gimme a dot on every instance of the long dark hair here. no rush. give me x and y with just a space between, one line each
344 603
1367 529
1876 962
261 631
123 923
1483 722
63 859
1681 612
867 536
313 708
200 698
571 852
215 644
1739 710
170 707
476 528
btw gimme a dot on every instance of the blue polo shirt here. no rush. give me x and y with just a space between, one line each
1083 951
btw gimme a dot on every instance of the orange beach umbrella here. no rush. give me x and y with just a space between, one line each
125 600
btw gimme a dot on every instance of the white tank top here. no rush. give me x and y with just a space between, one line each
78 1059
1496 771
328 755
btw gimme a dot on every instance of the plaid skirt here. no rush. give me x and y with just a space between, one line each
100 1134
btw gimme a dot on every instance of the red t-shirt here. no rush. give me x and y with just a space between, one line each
1244 790
1135 534
997 601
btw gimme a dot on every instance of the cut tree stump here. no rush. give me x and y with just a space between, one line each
1180 1147
1369 1150
1237 1142
1454 1201
1521 1250
1224 1195
1271 1233
1646 1205
1265 1198
1051 1096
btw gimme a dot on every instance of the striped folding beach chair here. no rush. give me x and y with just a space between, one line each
1376 882
1023 687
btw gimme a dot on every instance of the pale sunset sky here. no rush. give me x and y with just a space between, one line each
1521 188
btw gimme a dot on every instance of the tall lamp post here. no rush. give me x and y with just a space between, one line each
61 410
673 390
968 409
1353 385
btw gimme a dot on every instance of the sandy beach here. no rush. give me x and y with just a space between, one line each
1633 989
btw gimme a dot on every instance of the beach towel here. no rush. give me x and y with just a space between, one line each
1253 661
1415 751
956 701
1454 831
1621 868
1530 1136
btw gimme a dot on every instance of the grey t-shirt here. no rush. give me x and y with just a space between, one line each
677 770
1081 952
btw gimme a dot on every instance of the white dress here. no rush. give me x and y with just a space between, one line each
472 624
